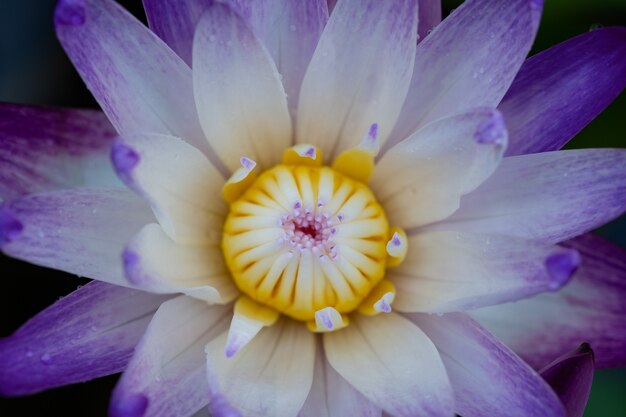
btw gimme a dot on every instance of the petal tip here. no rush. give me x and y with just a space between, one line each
70 12
492 131
561 267
131 262
134 405
10 227
124 159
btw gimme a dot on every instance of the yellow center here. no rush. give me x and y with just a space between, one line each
304 238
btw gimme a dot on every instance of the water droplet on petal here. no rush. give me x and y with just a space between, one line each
46 359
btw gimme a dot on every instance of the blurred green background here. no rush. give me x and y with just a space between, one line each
34 69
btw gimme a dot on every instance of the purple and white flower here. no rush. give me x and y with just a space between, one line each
317 214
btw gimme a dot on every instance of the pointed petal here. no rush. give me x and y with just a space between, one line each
175 22
248 319
241 101
448 271
386 357
422 179
168 364
468 61
559 91
138 81
177 180
42 149
153 262
487 377
88 334
81 231
359 73
290 31
592 308
548 197
333 396
271 376
571 376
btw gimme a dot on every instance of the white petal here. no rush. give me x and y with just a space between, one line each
359 73
392 363
290 31
169 362
271 376
333 396
422 179
241 101
153 262
450 271
180 184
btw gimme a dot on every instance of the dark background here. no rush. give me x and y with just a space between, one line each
34 69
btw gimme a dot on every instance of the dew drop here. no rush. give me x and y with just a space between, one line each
29 354
46 359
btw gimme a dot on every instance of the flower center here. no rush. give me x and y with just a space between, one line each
301 239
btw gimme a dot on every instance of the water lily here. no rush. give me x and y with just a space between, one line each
361 212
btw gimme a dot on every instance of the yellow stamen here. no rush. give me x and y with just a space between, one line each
239 181
397 246
303 154
379 300
358 163
327 320
302 239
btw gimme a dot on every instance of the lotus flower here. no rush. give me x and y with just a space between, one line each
320 214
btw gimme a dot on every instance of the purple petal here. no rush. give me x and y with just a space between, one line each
592 308
429 16
175 22
140 83
571 376
488 379
81 231
72 13
44 148
167 376
10 227
548 197
559 91
347 86
469 60
449 271
88 334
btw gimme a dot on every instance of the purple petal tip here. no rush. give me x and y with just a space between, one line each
10 227
220 407
124 159
131 262
373 133
134 405
70 12
561 267
492 131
